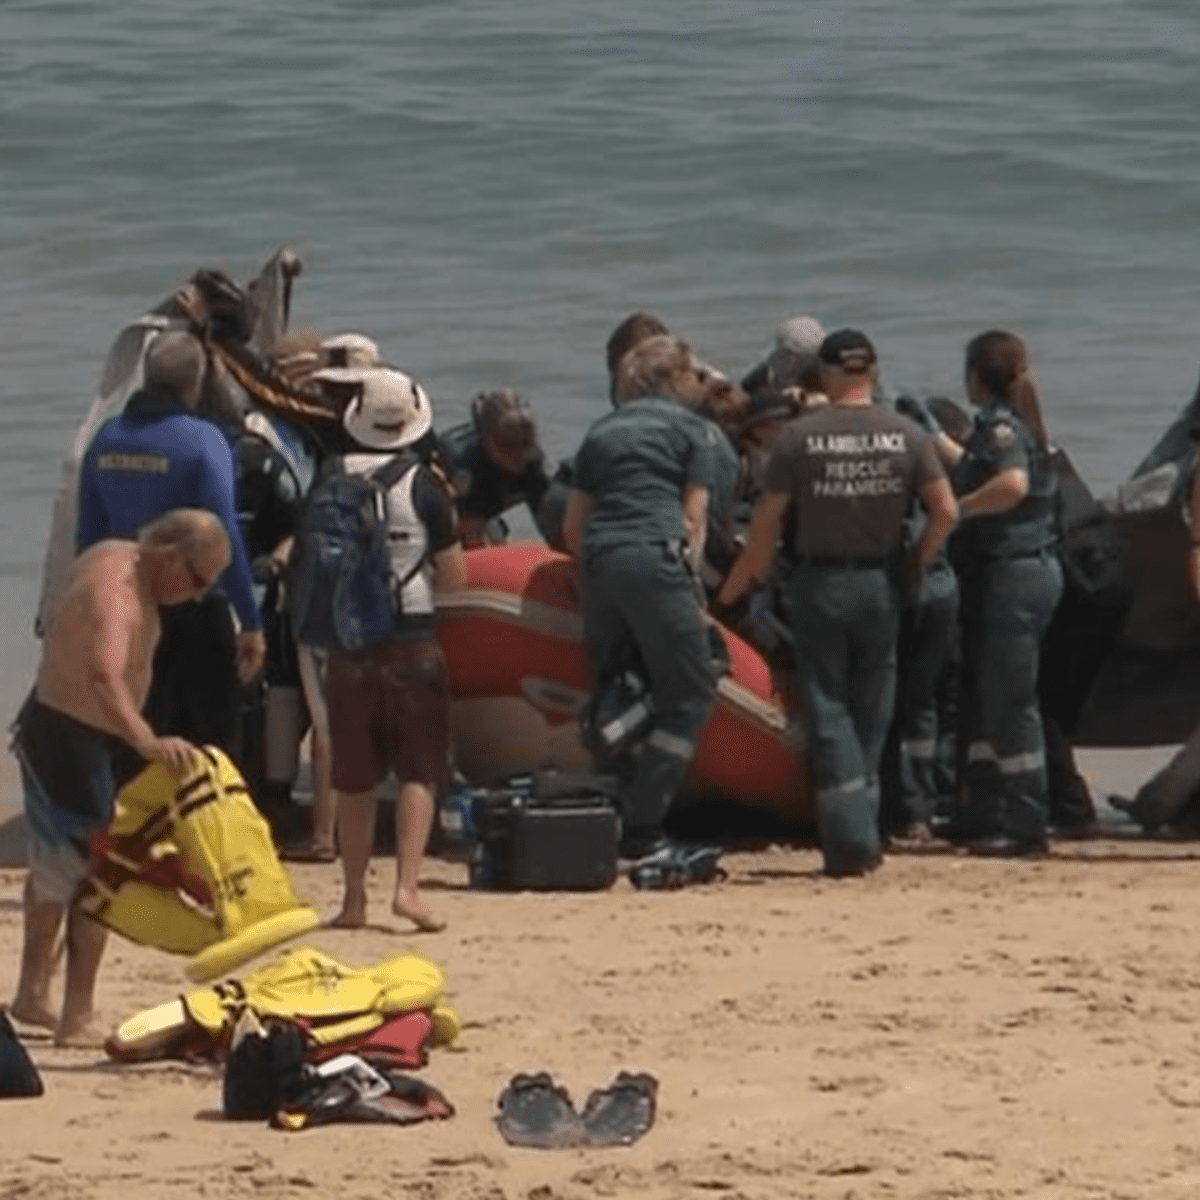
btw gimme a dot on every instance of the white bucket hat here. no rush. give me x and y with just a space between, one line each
388 409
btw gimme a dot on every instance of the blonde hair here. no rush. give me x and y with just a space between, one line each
656 366
667 367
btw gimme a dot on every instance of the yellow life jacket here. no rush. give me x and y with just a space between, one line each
332 1000
334 1003
187 865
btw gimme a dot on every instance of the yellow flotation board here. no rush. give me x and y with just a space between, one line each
187 865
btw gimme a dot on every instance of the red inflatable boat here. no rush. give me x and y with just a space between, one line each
519 675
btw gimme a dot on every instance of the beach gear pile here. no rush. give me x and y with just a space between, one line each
391 1012
268 1077
307 1039
187 865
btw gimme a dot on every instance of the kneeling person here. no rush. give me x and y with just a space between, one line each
494 462
93 680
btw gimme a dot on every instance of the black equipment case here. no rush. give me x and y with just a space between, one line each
545 833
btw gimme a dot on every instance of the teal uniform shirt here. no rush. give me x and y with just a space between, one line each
639 595
1000 441
635 463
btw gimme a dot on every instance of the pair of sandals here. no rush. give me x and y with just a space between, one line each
535 1111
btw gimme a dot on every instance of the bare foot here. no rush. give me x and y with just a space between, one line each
82 1035
407 905
353 914
32 1014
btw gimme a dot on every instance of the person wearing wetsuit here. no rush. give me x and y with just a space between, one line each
268 493
158 455
493 462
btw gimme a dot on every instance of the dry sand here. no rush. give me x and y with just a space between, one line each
945 1028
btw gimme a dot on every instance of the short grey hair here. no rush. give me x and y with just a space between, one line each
176 362
187 531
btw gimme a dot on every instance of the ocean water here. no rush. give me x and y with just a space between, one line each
487 189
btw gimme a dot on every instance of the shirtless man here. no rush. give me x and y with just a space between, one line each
95 672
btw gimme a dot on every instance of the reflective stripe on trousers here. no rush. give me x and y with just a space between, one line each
670 743
1012 764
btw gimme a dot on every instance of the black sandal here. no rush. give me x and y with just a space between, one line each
619 1114
677 866
537 1112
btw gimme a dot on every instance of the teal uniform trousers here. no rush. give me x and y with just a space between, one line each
927 645
645 594
1007 604
845 621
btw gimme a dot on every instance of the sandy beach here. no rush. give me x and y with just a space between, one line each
946 1028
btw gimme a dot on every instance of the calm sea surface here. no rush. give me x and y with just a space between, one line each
488 188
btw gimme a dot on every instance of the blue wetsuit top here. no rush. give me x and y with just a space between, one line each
149 460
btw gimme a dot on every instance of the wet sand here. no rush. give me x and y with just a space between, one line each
945 1028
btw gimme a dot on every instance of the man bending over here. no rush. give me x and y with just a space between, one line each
92 682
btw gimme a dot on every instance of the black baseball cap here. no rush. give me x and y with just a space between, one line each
848 349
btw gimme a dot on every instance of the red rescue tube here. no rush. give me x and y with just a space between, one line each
516 632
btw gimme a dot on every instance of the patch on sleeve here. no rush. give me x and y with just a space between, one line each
460 481
1004 436
145 464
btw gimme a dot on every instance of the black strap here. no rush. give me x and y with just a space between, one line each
386 477
392 471
401 584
